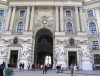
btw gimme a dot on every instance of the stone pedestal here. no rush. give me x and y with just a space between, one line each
86 64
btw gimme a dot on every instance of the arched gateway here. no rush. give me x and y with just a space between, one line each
44 47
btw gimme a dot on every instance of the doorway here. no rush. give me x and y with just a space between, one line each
43 47
72 57
14 57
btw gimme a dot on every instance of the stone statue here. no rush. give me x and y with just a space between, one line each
2 49
25 50
85 51
60 53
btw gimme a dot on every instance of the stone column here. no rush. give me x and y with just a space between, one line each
12 18
27 18
8 19
61 19
77 19
97 10
32 18
82 19
57 19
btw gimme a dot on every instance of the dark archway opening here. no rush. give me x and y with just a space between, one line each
13 58
44 48
72 58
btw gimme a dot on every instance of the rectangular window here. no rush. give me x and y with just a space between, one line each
95 45
22 13
68 13
1 12
90 13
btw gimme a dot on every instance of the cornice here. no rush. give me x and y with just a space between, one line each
45 3
46 0
91 4
3 2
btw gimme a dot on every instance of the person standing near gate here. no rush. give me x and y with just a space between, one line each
71 68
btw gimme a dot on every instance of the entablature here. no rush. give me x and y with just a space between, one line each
45 2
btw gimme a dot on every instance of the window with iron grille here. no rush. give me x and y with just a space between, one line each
96 59
95 45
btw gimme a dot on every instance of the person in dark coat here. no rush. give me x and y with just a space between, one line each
1 70
23 66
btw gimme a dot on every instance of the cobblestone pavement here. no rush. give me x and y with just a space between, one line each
53 73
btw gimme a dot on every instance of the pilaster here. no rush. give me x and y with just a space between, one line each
32 18
98 18
61 19
27 18
57 18
12 18
77 19
82 19
8 19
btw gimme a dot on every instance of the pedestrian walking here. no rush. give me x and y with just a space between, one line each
9 71
23 66
20 66
33 67
58 68
44 69
71 69
28 66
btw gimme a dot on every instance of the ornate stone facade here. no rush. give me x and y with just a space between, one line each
74 47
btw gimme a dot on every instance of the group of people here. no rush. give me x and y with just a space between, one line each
74 69
21 66
7 71
59 68
39 67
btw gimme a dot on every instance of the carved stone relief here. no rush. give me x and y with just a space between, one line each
85 51
2 49
60 53
26 48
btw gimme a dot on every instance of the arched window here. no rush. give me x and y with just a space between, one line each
69 27
15 41
71 41
92 28
20 27
96 59
0 26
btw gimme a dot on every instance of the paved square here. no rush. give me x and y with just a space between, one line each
53 73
